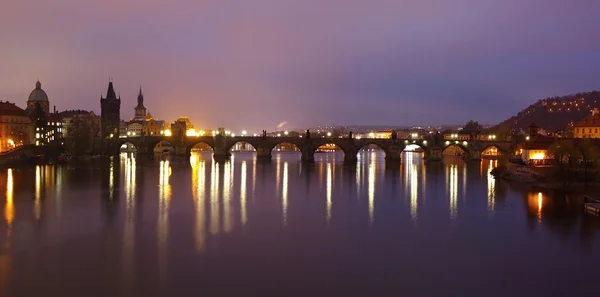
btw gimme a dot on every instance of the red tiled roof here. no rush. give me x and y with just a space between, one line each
592 120
10 109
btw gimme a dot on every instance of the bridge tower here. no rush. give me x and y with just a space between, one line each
110 114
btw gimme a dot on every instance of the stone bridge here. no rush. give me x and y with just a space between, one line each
222 145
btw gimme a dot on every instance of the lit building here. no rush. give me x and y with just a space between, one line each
151 127
535 150
47 125
458 135
15 126
134 129
589 127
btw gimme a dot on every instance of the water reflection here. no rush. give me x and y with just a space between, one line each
491 186
164 198
284 194
143 252
243 194
412 173
9 210
329 191
371 192
129 185
227 184
536 202
37 206
452 183
214 199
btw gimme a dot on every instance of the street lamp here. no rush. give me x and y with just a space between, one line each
328 134
244 132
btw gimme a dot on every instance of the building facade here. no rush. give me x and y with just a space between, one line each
15 126
589 127
110 115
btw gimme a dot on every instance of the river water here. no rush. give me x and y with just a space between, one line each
127 227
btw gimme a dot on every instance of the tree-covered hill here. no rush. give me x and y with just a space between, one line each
555 113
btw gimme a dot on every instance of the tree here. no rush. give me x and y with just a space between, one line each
472 126
589 154
502 131
566 154
80 138
568 132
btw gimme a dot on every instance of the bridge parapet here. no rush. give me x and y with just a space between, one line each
264 145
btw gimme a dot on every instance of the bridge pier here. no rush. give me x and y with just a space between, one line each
308 156
435 154
263 153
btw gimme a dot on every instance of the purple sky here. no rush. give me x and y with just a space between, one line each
251 64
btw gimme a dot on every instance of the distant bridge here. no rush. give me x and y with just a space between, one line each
264 145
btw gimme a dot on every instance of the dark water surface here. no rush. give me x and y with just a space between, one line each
246 228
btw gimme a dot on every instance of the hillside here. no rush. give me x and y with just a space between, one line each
554 113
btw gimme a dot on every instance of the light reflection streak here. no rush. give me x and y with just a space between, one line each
164 196
491 183
284 194
9 210
129 186
128 234
58 191
214 199
243 214
227 184
540 200
414 194
329 191
453 188
464 181
199 190
371 189
37 206
359 173
111 179
408 160
253 179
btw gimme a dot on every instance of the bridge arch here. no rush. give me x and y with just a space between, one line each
199 144
456 148
331 147
161 146
232 145
127 146
492 150
286 146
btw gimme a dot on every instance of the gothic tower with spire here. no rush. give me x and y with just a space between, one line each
140 110
110 113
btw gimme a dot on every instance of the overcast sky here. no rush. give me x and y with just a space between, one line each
251 64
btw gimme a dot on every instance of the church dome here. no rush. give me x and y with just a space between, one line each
38 95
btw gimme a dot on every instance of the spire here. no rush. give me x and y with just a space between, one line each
140 99
110 94
38 85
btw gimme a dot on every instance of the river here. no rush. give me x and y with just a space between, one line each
127 227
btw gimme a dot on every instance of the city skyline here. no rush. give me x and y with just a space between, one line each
253 66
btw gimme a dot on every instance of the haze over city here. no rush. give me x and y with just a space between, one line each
254 64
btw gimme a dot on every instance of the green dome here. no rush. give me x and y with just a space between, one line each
38 95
